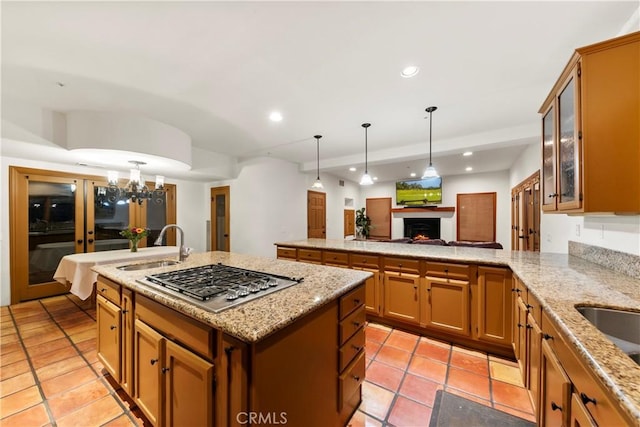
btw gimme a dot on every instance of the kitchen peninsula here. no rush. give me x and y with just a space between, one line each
506 302
294 356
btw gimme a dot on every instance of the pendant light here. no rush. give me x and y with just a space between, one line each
318 184
366 179
430 171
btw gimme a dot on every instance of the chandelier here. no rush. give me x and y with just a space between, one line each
136 190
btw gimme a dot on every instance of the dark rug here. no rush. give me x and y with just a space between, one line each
450 410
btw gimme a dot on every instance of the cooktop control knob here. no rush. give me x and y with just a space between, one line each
243 291
273 282
253 288
232 294
264 284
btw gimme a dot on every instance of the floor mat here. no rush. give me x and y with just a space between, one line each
450 410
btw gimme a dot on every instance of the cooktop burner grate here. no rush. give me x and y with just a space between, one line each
206 282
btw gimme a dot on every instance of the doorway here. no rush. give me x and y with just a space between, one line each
525 214
220 230
316 215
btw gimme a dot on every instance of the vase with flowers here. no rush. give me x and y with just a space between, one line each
135 234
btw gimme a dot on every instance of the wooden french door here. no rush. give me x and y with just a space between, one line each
316 215
220 220
525 215
54 214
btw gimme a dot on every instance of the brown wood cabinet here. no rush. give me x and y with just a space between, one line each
126 345
173 385
109 338
494 305
446 305
555 390
593 107
401 297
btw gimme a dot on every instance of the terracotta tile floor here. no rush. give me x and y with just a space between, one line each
50 375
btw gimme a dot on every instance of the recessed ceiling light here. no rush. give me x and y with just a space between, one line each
413 174
352 169
410 71
467 153
468 169
375 178
275 116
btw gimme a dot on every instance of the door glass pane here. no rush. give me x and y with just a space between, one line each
220 223
52 224
548 159
111 216
156 217
567 144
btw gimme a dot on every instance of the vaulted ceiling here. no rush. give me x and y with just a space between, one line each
216 70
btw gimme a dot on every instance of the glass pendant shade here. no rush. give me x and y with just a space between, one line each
366 178
317 184
136 190
430 171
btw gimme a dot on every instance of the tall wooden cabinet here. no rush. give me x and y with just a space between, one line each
591 131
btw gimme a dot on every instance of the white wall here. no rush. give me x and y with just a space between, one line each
497 182
268 205
621 233
192 211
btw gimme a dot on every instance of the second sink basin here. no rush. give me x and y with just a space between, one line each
621 327
146 265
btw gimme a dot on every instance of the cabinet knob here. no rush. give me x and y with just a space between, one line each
528 326
547 336
112 327
555 407
529 306
125 311
165 370
154 361
357 348
586 399
103 290
356 301
80 241
519 325
357 378
356 324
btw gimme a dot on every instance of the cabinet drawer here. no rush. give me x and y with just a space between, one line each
351 348
351 324
367 261
351 301
109 290
197 336
335 258
287 253
351 380
403 265
448 271
309 255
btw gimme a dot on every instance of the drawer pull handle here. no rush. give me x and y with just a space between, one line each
547 336
357 348
555 407
154 361
103 290
125 311
357 378
528 326
112 327
356 324
165 370
356 301
586 399
519 325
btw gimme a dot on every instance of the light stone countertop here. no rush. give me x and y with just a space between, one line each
559 282
256 319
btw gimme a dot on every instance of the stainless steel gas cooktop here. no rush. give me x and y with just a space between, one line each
216 287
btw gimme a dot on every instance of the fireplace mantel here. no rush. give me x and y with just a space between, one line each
420 210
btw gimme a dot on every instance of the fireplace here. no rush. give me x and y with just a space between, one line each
429 227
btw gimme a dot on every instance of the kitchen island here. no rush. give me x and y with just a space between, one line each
553 343
294 356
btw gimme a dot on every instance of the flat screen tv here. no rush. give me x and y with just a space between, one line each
419 192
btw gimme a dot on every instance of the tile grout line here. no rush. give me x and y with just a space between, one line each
44 400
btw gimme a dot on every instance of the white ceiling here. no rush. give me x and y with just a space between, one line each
215 70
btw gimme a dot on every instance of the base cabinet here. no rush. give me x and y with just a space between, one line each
494 305
555 390
109 336
446 305
401 297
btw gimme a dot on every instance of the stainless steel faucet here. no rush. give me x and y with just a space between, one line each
184 251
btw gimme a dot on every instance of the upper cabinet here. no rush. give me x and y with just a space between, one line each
591 131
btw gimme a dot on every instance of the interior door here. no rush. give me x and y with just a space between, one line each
47 223
379 211
220 229
316 215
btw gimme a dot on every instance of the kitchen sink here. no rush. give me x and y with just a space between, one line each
621 327
146 265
